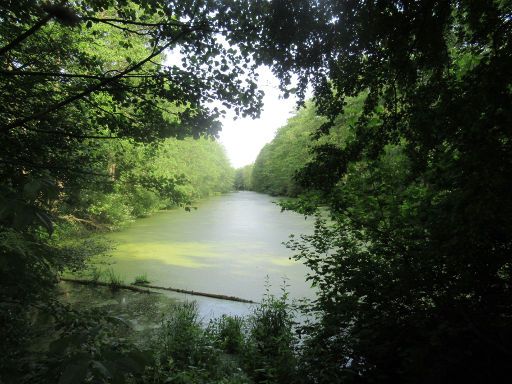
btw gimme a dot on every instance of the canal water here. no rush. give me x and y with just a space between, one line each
230 245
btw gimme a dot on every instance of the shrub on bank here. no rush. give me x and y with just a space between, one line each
94 347
258 349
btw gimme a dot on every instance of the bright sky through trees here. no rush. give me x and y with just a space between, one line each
244 138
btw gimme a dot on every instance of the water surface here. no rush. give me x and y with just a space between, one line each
227 246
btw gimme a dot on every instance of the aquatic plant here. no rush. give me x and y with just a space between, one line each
141 279
188 353
96 274
113 279
270 351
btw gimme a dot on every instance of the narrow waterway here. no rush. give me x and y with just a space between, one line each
228 246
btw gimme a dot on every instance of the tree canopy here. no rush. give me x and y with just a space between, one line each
413 268
94 96
414 272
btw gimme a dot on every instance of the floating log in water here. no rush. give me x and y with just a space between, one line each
138 288
196 293
103 284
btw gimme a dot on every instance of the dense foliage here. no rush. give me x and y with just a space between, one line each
414 272
88 97
146 178
279 161
413 268
243 178
100 347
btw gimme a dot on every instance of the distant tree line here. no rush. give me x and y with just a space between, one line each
243 178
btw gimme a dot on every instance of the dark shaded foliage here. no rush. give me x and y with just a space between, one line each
414 274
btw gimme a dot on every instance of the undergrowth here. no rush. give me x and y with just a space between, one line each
93 347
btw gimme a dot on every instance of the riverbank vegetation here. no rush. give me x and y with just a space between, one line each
97 346
96 130
414 268
408 146
275 169
145 178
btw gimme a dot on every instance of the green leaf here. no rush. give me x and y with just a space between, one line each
5 208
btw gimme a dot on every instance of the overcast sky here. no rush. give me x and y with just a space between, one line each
244 138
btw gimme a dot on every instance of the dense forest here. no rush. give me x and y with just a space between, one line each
145 178
274 171
243 178
403 154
